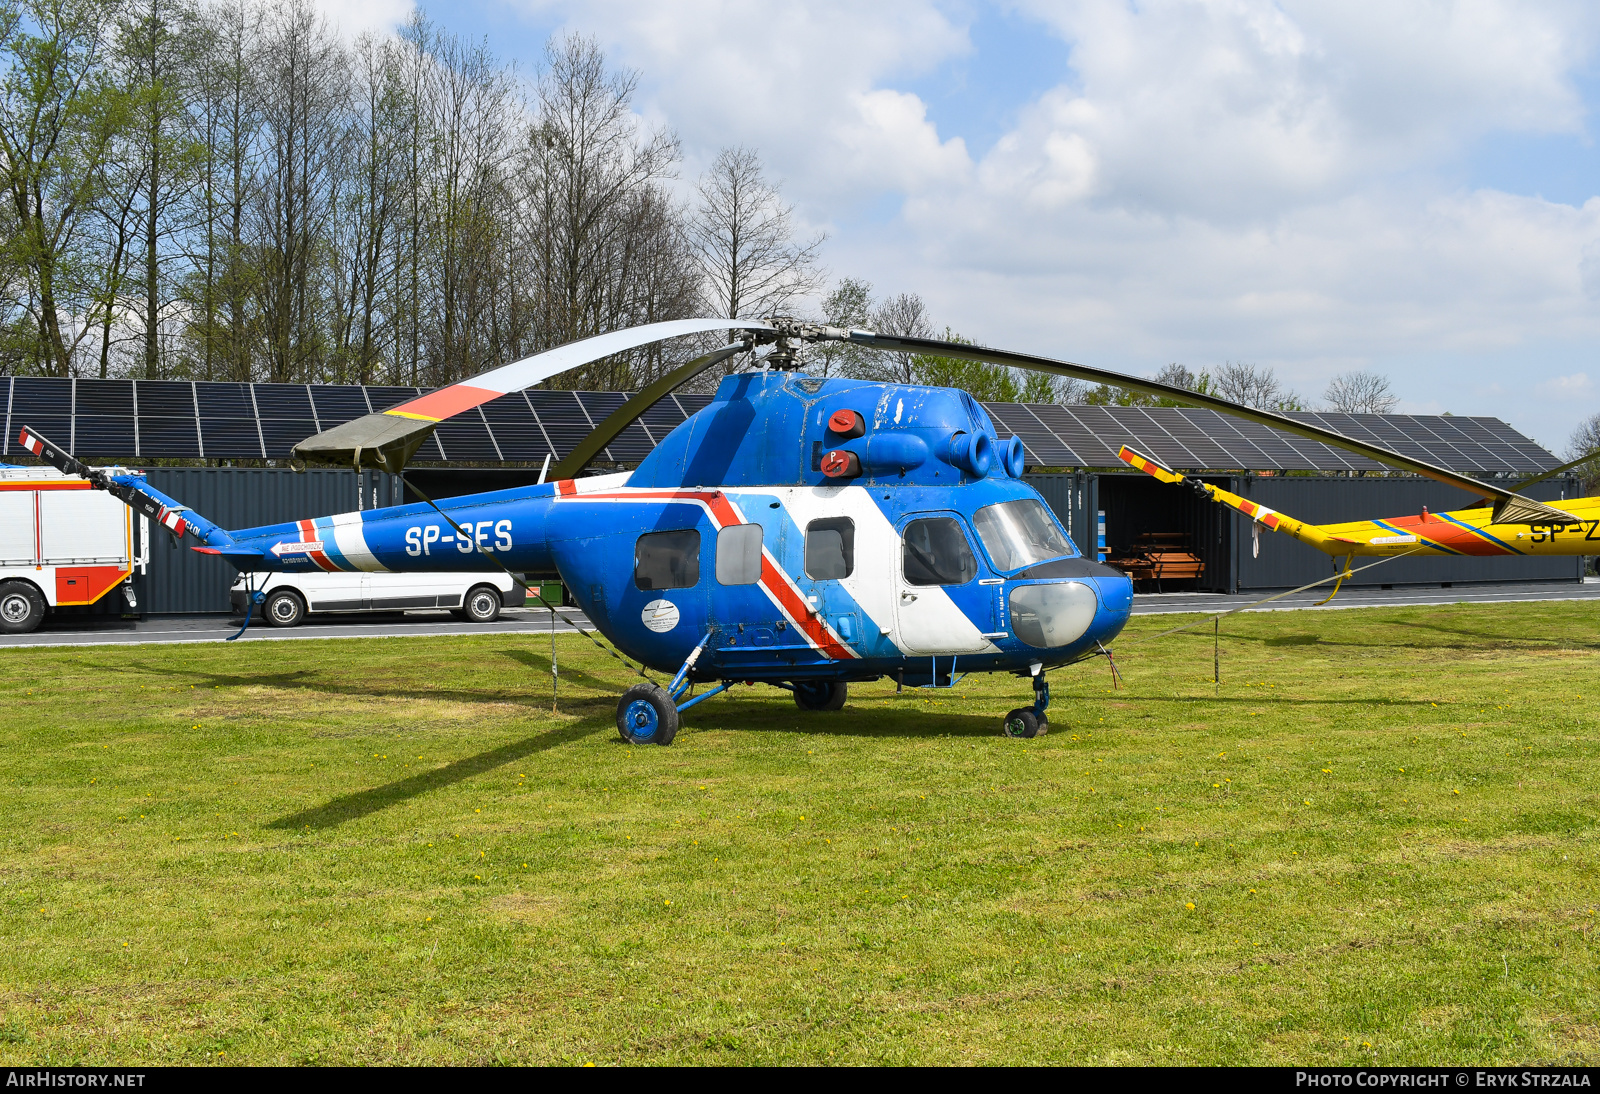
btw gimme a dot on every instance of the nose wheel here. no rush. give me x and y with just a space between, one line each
1031 722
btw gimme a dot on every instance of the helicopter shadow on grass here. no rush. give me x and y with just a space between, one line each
541 668
312 680
349 807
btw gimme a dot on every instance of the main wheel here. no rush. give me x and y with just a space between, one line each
284 608
482 605
646 716
819 694
1022 722
21 608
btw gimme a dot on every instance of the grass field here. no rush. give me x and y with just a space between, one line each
1374 843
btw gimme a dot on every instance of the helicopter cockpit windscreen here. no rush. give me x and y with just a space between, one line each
1019 533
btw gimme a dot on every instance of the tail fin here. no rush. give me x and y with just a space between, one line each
1278 522
133 491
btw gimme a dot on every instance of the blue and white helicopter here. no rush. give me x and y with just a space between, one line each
799 532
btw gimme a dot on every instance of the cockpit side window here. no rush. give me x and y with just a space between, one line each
667 560
830 549
935 552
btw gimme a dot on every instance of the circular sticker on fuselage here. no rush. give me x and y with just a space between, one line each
660 615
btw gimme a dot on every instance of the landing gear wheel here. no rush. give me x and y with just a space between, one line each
21 608
284 608
482 605
819 694
646 716
1022 722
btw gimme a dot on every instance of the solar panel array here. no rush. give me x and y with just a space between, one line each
1189 439
174 419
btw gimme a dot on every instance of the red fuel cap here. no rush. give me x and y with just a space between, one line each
840 464
847 423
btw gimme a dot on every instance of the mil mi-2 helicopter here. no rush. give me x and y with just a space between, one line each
797 531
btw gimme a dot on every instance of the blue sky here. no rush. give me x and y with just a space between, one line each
1315 186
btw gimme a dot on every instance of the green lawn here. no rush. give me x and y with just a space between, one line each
1375 843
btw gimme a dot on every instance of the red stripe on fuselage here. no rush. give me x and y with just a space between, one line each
777 584
308 533
1448 534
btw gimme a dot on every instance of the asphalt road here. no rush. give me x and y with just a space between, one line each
92 631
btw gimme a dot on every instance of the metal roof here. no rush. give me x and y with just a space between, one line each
165 419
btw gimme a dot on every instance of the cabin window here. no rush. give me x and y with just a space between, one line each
1019 533
739 555
936 553
830 548
667 560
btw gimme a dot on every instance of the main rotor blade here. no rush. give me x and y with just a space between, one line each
389 438
1587 457
1510 507
630 411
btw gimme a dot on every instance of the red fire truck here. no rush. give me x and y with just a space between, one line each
61 544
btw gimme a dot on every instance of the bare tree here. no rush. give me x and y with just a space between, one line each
1585 440
744 233
305 92
589 166
906 316
1360 392
1255 385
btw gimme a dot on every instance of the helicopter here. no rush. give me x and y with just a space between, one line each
798 531
1477 530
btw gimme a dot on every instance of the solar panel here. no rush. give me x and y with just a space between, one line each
561 416
230 438
223 400
465 437
113 397
338 404
42 403
165 398
282 434
515 428
102 435
175 437
285 401
126 419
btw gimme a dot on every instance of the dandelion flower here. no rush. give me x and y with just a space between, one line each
1190 906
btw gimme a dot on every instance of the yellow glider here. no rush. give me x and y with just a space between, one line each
1461 532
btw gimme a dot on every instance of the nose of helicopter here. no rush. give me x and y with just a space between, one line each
1070 613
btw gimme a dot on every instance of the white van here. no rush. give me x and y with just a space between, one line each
476 598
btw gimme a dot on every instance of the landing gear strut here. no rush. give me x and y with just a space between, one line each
648 714
1031 721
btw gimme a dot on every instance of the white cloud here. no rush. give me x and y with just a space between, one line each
356 17
1211 180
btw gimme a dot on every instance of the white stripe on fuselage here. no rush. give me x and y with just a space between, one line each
874 583
351 539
